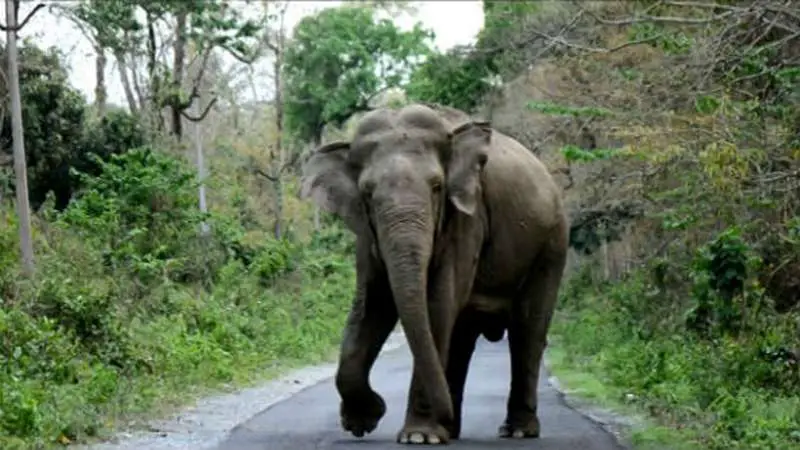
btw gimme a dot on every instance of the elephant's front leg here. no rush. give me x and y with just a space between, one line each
372 318
421 427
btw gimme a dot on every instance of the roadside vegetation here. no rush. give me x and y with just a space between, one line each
169 254
674 128
145 290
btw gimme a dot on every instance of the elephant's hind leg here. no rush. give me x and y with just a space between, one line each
527 336
368 326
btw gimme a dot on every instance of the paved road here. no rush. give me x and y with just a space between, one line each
310 419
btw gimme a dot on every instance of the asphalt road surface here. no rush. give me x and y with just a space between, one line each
310 419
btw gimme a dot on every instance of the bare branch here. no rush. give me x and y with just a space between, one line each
25 20
203 114
663 19
565 43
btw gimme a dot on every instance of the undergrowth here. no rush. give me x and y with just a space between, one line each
732 384
131 304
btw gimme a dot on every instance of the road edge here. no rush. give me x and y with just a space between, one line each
207 423
614 423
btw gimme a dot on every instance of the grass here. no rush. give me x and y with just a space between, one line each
617 347
589 391
132 313
185 363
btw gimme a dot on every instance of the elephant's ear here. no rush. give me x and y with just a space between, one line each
470 144
331 183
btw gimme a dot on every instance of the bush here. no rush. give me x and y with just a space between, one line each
131 303
721 363
674 136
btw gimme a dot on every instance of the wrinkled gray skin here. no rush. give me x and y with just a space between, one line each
460 232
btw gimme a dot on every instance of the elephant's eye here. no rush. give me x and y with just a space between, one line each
436 187
367 188
482 159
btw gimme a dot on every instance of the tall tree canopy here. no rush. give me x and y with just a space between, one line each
342 58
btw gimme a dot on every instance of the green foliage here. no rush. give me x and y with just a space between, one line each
505 15
720 273
573 153
132 304
53 114
692 318
115 133
454 78
118 26
339 59
140 211
670 42
726 392
463 77
58 135
554 109
123 27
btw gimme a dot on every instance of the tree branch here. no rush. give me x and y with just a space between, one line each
565 43
203 114
279 170
195 93
663 19
238 56
25 20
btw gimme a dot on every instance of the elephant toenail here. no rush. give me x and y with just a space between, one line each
417 438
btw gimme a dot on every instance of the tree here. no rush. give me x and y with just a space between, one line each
54 115
23 207
58 136
457 78
509 41
114 25
339 60
280 159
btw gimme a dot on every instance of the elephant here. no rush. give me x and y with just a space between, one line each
460 232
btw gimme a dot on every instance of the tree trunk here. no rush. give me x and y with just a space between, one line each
279 136
277 185
317 142
122 68
179 56
137 86
100 93
17 136
201 170
156 94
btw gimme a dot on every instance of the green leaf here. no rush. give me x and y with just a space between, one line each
706 104
341 58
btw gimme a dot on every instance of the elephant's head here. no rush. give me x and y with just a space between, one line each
392 184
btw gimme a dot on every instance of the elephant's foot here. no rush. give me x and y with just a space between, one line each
423 434
529 430
454 430
361 416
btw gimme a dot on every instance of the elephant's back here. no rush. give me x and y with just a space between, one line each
514 174
525 210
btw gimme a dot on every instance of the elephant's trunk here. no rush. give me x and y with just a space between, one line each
405 236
